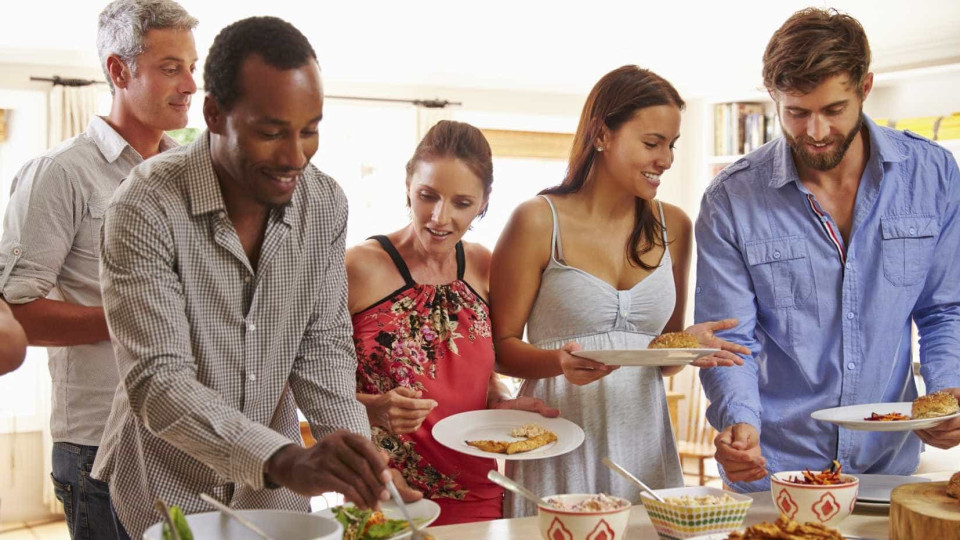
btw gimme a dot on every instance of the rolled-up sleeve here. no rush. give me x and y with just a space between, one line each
323 378
937 311
145 307
41 222
724 289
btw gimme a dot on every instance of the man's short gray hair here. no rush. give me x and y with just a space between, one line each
124 23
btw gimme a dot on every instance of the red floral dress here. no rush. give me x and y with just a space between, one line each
436 339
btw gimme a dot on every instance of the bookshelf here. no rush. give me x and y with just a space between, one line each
734 126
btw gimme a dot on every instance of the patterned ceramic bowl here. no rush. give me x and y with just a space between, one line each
675 521
828 504
570 525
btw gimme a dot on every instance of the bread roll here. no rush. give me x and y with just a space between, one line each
934 405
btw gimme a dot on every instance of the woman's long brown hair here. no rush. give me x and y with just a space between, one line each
612 102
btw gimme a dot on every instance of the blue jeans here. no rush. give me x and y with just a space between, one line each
86 501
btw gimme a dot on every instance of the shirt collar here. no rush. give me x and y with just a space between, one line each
881 148
112 144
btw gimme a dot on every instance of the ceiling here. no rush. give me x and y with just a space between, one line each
704 47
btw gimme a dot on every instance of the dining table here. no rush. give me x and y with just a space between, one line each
869 522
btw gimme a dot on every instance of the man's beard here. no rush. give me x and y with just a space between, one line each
823 162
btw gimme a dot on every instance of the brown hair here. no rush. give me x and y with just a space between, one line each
612 102
459 140
814 44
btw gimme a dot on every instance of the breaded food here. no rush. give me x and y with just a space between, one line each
934 405
674 340
497 447
953 486
787 529
532 443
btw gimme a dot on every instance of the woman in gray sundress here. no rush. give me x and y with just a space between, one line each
598 263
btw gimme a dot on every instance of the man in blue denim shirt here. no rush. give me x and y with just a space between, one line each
825 244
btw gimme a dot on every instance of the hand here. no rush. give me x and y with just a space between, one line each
727 355
738 452
399 411
525 403
581 371
407 493
944 435
342 461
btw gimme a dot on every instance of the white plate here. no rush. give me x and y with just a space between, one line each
276 523
496 425
876 488
424 512
852 417
646 357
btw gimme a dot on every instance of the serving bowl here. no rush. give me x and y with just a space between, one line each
826 504
558 524
278 524
674 521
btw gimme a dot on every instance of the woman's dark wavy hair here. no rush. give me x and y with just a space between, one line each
275 40
612 102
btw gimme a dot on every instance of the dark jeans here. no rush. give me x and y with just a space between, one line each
86 502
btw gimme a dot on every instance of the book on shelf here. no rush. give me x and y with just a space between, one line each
740 128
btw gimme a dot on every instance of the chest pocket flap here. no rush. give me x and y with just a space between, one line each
782 249
909 227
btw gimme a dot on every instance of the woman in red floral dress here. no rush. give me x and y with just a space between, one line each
422 325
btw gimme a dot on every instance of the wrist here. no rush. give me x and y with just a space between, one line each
275 470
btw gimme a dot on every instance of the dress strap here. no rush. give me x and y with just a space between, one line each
461 261
555 246
387 246
663 223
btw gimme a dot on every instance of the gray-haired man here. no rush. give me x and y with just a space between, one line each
49 253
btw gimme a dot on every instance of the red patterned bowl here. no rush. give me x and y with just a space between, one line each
828 504
570 525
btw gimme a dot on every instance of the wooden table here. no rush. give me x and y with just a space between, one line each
865 522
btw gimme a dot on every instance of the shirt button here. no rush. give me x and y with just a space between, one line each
624 312
851 365
253 377
246 279
776 254
913 231
16 252
850 315
251 327
699 289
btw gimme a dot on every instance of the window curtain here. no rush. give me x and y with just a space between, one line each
70 110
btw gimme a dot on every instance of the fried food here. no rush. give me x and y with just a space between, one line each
497 447
674 340
534 435
887 417
953 486
532 443
934 405
786 529
828 477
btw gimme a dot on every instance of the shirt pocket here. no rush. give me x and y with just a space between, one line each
782 271
88 239
907 247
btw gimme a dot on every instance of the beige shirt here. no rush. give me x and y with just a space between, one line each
212 354
51 249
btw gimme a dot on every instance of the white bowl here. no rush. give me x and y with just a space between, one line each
278 524
676 521
828 505
570 525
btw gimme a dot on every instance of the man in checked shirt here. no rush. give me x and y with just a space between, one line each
225 291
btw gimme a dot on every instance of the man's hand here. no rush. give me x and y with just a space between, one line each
525 403
399 411
343 462
728 355
581 371
944 435
407 493
738 452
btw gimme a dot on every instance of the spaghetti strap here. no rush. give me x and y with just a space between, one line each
663 223
461 261
387 246
555 247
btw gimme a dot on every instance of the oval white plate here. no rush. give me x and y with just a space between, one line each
852 417
646 357
424 512
496 425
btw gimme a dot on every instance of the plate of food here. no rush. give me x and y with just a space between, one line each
670 349
507 434
782 528
384 524
924 412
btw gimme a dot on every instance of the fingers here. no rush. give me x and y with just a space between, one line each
745 436
733 347
571 346
407 392
366 464
407 493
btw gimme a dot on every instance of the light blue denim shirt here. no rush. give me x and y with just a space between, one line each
828 323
